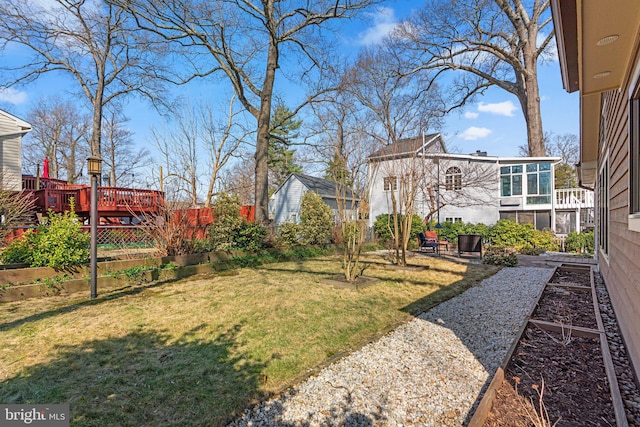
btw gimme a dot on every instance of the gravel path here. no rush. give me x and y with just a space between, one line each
427 372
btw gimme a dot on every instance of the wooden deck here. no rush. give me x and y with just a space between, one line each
113 202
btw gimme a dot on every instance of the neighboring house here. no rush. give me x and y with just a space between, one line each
474 187
12 129
599 52
284 204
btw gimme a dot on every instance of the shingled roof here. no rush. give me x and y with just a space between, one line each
411 146
324 187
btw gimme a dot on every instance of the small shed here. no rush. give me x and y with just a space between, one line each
285 202
12 129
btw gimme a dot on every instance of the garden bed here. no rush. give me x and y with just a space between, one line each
560 367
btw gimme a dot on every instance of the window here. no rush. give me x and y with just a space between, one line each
511 180
634 158
603 207
538 183
453 179
389 182
450 219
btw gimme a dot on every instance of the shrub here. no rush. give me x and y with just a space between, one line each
451 230
316 219
250 236
544 240
227 222
60 243
289 234
509 233
580 242
20 250
500 255
384 225
530 250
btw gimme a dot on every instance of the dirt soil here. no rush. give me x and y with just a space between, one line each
567 307
576 391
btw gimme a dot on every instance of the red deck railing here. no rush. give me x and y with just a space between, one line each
56 195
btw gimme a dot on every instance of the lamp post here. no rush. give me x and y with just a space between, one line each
94 166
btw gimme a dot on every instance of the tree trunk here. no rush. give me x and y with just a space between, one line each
530 103
262 140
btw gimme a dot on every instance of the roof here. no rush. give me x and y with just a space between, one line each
324 187
24 126
424 143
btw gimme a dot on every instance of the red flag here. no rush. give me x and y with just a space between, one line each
45 169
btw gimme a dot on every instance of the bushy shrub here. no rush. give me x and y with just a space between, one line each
506 233
580 242
451 230
500 255
250 236
530 250
544 240
316 219
227 222
384 225
59 243
289 234
20 250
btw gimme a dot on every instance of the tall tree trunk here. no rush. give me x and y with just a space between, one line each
262 139
531 109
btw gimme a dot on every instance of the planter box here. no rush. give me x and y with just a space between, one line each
554 333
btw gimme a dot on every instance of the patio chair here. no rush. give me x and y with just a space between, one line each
427 242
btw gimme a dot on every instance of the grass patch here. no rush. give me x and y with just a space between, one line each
198 351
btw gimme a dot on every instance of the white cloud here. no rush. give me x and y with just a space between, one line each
384 21
12 96
473 133
505 108
471 115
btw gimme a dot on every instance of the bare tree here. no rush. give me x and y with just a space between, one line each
238 179
198 148
91 42
398 104
16 208
450 181
494 42
61 134
248 41
121 158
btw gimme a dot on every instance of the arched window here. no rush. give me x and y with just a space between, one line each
453 179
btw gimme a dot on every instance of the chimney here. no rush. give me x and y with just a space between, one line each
479 153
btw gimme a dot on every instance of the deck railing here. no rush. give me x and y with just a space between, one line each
572 198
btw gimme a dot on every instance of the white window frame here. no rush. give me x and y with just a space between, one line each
604 210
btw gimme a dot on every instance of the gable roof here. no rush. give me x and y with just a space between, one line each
324 187
431 143
24 126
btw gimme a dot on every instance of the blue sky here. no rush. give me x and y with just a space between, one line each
494 123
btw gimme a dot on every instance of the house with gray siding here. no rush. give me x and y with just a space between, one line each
12 129
285 202
474 188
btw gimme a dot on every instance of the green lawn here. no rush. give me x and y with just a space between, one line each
198 351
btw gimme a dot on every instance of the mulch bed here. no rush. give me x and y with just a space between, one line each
576 390
567 307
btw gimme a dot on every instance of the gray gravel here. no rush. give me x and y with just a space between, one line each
428 372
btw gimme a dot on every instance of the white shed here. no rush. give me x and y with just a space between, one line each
12 129
284 204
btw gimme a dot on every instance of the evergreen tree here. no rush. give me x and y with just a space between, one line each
281 156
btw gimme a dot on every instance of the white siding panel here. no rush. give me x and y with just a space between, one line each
285 203
11 161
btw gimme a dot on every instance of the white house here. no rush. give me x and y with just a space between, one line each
12 129
474 187
285 202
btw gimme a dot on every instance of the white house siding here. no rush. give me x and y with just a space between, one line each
10 155
284 205
483 207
